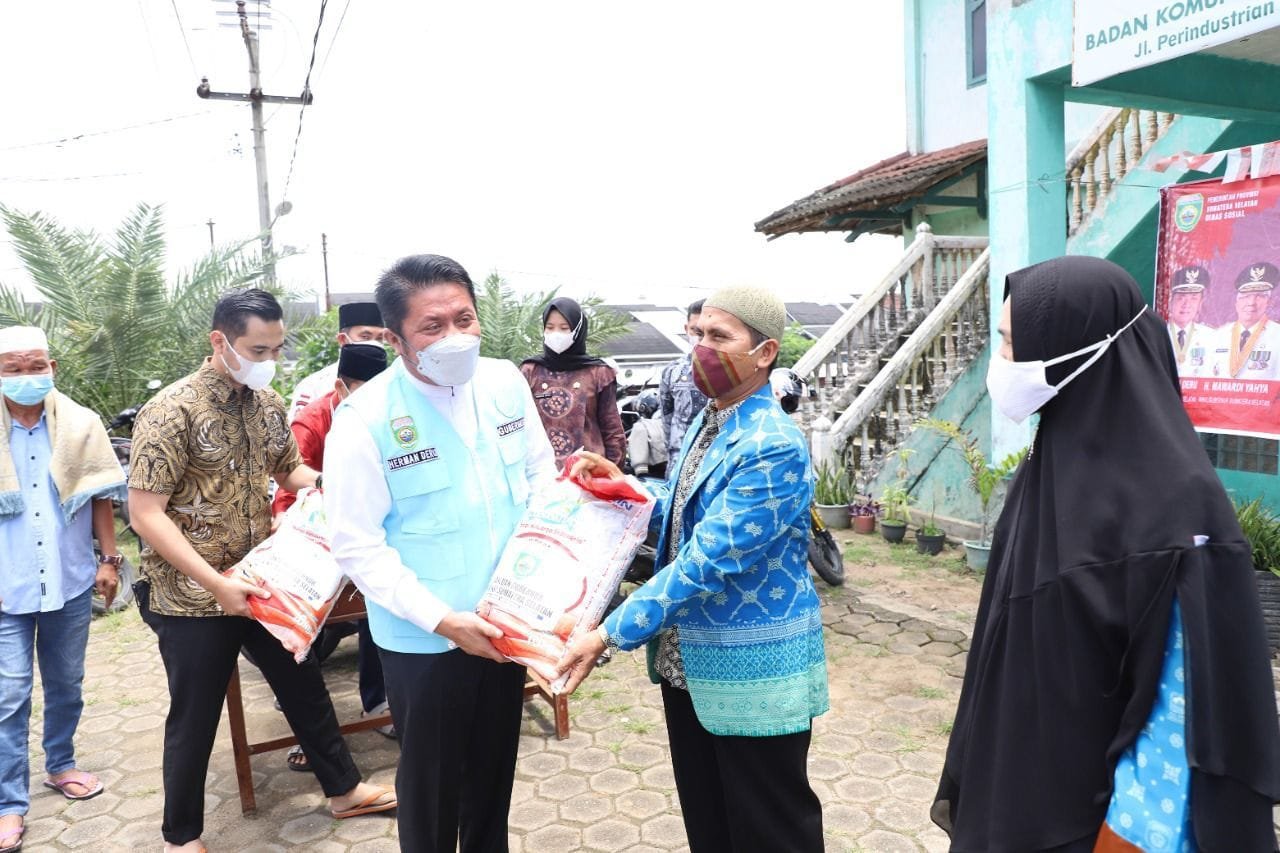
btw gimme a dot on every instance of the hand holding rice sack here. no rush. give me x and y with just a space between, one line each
562 565
295 567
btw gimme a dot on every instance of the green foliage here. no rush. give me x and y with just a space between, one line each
512 323
896 498
984 478
793 345
833 486
1261 527
113 322
316 346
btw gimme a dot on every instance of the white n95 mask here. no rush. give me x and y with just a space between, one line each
254 375
558 342
451 360
1019 388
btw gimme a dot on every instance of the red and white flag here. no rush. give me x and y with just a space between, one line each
1249 161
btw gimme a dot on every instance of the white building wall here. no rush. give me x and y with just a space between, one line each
951 112
942 109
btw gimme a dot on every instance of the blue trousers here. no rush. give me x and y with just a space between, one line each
57 640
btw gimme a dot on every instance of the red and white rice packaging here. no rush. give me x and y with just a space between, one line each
562 566
295 565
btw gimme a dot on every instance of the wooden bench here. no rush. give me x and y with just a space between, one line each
350 607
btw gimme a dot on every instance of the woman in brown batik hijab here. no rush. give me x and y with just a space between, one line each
576 393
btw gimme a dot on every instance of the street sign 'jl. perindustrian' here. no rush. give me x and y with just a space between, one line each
1112 36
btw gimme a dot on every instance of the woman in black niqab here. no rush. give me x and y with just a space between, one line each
1095 541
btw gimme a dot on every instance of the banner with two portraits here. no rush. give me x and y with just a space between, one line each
1217 277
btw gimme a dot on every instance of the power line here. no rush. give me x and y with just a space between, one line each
27 180
306 97
183 31
90 133
325 62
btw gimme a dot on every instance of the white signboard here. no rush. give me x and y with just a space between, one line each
1112 36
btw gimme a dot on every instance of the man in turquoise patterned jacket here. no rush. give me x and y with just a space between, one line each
731 618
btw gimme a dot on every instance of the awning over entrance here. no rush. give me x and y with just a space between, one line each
880 198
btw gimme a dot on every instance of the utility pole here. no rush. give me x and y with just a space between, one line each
324 253
256 99
212 245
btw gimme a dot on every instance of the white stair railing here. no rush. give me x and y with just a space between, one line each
853 350
915 377
1106 154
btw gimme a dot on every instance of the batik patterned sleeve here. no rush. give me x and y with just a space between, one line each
743 519
158 458
612 433
280 437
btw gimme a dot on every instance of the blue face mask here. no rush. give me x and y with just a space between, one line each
27 390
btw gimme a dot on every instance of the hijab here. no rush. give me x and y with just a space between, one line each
575 357
1094 542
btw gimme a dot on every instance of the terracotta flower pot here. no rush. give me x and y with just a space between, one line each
864 524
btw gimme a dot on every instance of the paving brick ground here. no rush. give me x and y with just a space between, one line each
874 762
895 679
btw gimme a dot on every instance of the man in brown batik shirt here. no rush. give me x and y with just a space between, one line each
203 451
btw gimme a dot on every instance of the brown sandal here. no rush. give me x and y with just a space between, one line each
369 805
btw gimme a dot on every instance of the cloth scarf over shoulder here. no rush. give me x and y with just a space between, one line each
83 464
1095 540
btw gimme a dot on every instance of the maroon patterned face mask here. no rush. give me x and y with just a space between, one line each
716 373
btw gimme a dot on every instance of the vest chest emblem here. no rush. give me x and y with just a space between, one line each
405 432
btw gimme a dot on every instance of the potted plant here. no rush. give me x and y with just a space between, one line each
984 479
1261 527
929 536
862 514
896 502
930 539
833 492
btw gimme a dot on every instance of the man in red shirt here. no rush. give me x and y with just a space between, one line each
357 364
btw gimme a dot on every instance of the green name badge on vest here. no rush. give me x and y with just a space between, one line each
405 432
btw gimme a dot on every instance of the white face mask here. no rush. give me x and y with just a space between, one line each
451 360
558 342
1019 388
254 375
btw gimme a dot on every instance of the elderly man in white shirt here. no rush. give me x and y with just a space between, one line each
428 468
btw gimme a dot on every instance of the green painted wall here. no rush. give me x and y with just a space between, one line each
936 468
960 222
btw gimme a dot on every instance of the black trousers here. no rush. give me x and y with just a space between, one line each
741 794
458 717
199 654
368 665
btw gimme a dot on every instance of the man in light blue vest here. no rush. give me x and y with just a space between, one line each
428 468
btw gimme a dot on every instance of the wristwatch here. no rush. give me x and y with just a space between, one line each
111 559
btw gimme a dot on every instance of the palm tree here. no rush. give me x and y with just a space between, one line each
113 322
512 323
